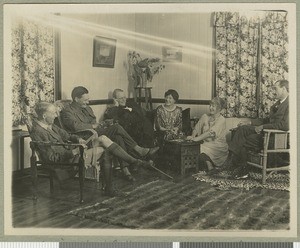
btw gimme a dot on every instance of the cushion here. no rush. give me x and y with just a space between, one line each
186 121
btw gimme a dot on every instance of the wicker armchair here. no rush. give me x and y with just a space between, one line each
276 148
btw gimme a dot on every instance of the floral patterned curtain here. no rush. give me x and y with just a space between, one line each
32 67
273 57
251 54
236 63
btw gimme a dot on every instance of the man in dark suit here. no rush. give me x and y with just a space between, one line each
79 116
45 130
249 137
132 118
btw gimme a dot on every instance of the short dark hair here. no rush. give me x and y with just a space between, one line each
173 93
283 83
78 92
114 94
41 108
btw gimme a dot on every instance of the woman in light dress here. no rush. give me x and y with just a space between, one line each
211 129
169 117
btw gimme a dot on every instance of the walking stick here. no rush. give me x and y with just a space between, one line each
152 166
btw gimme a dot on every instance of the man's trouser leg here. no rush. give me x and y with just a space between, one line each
253 142
119 152
239 139
119 140
107 170
116 129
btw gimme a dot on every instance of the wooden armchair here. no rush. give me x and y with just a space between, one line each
39 162
50 167
275 145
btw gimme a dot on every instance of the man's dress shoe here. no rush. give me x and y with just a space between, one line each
151 152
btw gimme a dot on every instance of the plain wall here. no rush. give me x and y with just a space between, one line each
192 77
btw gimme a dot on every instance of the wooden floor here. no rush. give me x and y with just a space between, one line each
51 210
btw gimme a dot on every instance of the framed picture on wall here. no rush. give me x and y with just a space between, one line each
172 54
104 52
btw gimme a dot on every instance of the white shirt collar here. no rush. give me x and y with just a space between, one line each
281 101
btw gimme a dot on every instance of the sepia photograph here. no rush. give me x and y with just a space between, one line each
150 120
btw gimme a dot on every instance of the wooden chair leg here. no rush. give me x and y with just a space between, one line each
98 168
264 169
81 181
101 177
34 176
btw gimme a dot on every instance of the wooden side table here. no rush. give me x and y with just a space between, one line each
182 154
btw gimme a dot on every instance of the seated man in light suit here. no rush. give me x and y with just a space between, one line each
78 116
45 130
249 137
132 118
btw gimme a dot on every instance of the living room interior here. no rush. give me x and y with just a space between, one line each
200 54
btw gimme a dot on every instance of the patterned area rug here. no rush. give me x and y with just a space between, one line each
222 181
191 205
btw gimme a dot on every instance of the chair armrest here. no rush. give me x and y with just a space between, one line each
56 144
93 134
274 131
86 130
34 145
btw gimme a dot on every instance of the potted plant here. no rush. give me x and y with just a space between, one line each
141 71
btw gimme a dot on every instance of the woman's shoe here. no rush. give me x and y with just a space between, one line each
211 168
212 172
